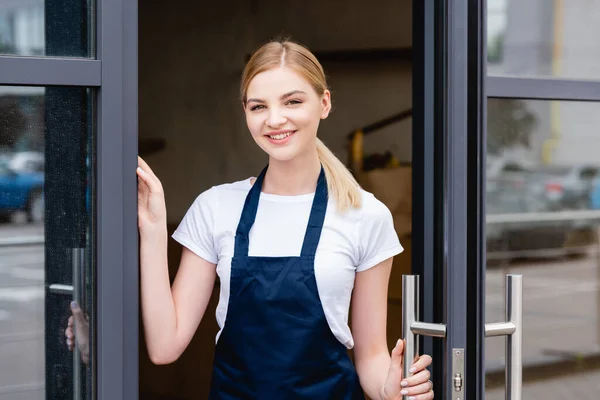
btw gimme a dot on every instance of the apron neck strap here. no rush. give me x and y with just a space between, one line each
315 221
317 217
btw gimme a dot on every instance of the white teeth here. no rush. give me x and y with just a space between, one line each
280 136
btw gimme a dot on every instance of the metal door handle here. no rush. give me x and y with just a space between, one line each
512 328
76 290
411 326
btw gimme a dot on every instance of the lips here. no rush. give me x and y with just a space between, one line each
280 137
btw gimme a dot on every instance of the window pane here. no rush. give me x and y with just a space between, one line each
543 38
46 242
543 218
46 28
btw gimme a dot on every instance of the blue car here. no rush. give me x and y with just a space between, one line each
21 191
595 194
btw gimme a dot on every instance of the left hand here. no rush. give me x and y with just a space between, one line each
77 332
417 386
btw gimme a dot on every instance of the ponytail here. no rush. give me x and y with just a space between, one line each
340 182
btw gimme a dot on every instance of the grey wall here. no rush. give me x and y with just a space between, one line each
191 58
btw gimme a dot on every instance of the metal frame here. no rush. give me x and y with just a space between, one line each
114 75
543 88
476 162
428 173
457 104
117 290
423 172
37 71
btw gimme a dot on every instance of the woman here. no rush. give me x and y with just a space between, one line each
292 249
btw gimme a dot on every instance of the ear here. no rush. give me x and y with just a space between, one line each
325 104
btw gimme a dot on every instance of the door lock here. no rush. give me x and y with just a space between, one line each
458 372
458 382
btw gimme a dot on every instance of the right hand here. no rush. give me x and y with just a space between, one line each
152 210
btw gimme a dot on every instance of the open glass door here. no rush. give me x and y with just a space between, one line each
446 297
68 97
507 192
542 186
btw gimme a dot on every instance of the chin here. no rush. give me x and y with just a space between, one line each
282 155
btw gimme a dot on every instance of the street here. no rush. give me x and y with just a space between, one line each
561 315
21 316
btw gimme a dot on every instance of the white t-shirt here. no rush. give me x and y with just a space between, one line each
351 242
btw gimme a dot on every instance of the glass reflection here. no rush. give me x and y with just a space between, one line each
46 243
46 28
543 215
543 38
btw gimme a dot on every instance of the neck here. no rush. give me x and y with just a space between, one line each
293 177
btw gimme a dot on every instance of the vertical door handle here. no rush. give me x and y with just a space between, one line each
78 266
76 290
411 326
512 328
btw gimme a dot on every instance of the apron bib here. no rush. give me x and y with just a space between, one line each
276 343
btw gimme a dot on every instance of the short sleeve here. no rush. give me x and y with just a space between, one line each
196 230
378 239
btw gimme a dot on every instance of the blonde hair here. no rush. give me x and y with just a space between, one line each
340 182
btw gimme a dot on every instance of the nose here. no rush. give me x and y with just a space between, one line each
276 118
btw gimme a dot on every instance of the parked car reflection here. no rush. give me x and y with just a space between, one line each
536 189
564 187
22 189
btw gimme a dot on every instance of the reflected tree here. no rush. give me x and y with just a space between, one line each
509 123
13 122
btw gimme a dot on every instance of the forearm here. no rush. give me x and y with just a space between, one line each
372 372
158 307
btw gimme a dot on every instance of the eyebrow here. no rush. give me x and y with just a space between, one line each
282 97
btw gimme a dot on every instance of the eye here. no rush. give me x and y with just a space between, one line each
293 102
257 107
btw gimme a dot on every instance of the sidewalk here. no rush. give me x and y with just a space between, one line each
585 385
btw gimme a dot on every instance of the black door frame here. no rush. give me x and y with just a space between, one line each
448 160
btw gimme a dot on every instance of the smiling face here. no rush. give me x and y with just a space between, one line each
283 112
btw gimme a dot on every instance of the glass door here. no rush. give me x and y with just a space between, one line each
67 234
444 311
542 178
507 197
47 241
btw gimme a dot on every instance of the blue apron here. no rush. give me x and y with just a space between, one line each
276 343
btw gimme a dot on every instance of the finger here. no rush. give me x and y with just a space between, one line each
143 188
143 164
77 314
69 333
151 181
143 175
397 354
422 362
70 321
424 396
422 388
417 379
145 167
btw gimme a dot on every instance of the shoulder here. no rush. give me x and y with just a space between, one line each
370 212
227 195
373 208
224 191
